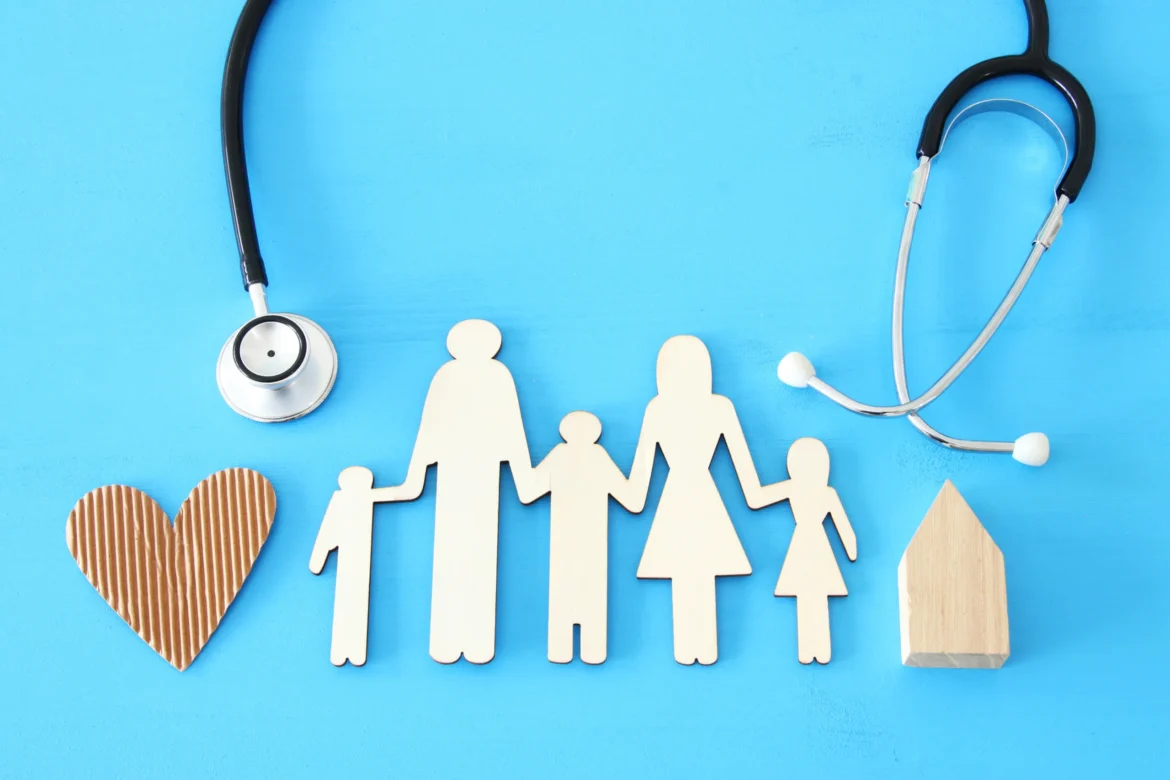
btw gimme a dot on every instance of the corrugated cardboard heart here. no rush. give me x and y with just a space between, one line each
172 584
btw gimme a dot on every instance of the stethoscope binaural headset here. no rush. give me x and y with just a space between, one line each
1031 449
282 366
276 367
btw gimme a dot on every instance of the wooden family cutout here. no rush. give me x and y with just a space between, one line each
173 584
471 425
952 591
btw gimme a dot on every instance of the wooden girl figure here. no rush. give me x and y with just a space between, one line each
810 571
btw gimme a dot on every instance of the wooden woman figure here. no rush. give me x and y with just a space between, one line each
810 571
692 540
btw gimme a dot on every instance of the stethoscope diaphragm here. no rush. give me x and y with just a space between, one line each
270 350
276 367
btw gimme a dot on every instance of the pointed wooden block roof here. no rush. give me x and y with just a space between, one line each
952 590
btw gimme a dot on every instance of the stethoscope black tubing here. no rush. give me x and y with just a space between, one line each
1033 62
235 73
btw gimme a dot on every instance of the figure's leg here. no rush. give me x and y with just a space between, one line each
593 635
560 640
682 594
479 643
446 591
812 629
481 542
825 651
560 619
359 628
707 636
338 650
351 611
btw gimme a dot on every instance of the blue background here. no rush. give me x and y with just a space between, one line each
594 178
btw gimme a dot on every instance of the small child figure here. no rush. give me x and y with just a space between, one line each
810 571
348 527
581 477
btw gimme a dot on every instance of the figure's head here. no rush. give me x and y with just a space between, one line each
684 367
355 478
474 340
808 461
580 428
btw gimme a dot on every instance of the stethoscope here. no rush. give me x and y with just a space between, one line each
1032 448
275 367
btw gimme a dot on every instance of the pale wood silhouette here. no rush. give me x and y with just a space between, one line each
173 584
692 540
348 527
470 426
810 571
953 591
581 477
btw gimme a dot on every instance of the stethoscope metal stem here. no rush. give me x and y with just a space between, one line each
259 295
910 406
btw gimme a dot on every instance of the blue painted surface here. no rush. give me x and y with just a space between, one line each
594 178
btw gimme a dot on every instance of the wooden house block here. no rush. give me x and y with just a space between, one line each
952 591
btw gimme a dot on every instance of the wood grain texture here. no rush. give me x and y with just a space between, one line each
952 591
173 584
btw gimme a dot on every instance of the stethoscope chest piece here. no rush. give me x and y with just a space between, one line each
277 367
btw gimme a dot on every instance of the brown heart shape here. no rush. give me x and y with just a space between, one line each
173 584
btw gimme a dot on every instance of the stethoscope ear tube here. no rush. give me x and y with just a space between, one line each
930 142
232 133
1033 62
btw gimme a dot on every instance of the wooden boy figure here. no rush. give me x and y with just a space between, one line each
581 477
348 527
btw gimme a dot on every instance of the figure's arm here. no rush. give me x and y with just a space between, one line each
516 451
643 466
539 481
423 456
624 491
741 458
775 493
841 522
326 537
404 492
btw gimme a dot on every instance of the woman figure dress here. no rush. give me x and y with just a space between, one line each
692 540
810 571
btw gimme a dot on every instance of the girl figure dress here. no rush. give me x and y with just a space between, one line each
810 571
692 540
